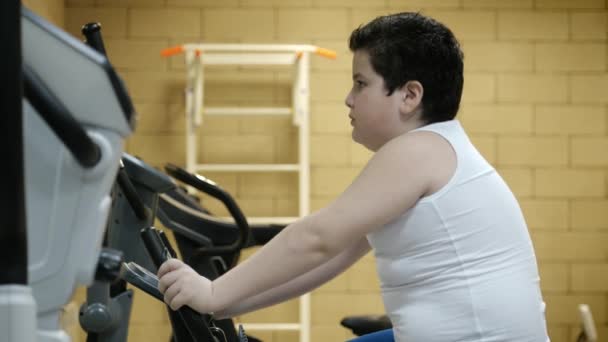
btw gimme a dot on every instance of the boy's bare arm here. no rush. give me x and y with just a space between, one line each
300 285
396 177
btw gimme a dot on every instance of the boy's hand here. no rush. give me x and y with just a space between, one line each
183 286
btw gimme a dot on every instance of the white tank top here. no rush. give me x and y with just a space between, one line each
459 265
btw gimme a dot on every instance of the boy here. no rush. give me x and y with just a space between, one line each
453 252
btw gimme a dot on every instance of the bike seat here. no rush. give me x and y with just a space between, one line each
361 325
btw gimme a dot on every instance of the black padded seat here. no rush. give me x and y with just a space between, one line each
361 325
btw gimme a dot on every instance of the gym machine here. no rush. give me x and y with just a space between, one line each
105 315
76 114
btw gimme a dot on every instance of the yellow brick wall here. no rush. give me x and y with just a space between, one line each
534 103
52 10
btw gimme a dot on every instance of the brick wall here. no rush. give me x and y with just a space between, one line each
534 103
52 10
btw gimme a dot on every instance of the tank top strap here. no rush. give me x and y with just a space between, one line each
451 130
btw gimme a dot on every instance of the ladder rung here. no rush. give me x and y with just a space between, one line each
245 48
247 111
251 58
269 220
271 326
249 167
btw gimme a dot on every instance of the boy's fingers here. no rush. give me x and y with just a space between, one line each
170 294
167 280
178 301
168 266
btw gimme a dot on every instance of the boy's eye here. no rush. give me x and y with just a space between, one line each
359 84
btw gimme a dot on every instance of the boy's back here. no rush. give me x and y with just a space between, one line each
459 266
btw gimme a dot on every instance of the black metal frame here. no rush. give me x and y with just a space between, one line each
13 238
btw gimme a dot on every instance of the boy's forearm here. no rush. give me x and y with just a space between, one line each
294 252
270 297
300 285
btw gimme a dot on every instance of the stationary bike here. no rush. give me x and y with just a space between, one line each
105 315
76 114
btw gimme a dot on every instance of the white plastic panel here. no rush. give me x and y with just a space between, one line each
17 310
66 208
75 74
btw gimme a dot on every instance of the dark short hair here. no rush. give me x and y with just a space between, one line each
410 46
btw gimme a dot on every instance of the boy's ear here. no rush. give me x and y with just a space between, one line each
411 92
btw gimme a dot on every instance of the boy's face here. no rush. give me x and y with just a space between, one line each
374 115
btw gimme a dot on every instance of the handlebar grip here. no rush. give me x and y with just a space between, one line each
197 328
155 246
92 33
167 244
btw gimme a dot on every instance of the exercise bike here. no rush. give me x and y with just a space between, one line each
105 315
76 114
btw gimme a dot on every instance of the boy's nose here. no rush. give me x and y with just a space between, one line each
348 101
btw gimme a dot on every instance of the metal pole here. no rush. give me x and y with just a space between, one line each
13 242
17 305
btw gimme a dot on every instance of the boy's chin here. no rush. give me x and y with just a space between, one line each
362 143
354 136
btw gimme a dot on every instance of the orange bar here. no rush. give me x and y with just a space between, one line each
327 53
168 52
